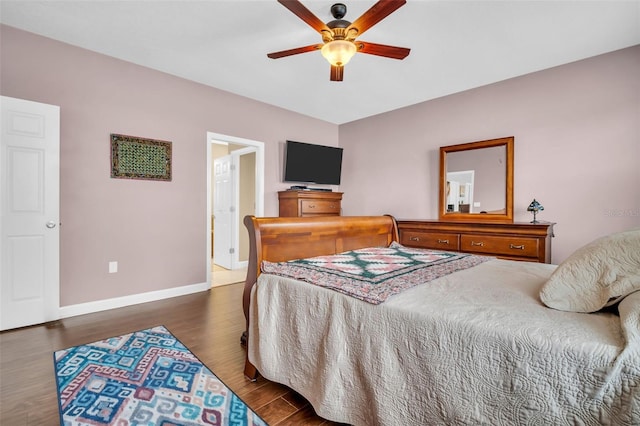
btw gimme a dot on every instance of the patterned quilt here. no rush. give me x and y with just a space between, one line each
376 273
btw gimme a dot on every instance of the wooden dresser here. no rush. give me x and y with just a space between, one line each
515 241
309 203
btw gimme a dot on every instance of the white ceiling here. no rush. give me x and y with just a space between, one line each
455 45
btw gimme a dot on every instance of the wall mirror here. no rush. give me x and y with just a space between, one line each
476 181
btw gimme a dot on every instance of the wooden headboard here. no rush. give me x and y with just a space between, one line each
277 239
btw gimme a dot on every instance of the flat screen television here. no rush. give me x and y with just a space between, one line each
309 163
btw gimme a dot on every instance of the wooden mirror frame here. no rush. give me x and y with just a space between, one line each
507 216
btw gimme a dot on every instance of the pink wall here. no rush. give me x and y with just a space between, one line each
577 148
155 230
577 130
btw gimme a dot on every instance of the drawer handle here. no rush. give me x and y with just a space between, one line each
331 206
414 238
480 244
312 206
515 247
443 241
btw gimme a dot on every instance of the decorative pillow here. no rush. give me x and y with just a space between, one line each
597 275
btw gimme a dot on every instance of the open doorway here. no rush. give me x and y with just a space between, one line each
235 188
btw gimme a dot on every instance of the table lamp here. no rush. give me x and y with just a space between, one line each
535 207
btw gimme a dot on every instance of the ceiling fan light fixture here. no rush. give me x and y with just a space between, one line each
338 52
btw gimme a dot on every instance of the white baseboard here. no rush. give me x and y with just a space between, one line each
134 299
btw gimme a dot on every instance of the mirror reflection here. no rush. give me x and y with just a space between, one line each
476 180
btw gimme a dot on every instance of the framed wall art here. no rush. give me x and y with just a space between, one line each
139 158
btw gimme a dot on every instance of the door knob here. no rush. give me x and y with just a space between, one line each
51 224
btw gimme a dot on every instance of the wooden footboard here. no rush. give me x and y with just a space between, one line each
287 238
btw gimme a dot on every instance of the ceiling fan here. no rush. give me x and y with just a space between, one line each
339 36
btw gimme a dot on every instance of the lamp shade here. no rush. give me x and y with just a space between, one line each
338 52
535 206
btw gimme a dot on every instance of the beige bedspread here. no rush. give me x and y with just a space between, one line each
475 347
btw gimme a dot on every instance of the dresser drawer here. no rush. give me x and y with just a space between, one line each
324 207
500 245
435 241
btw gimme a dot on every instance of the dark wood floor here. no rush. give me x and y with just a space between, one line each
209 324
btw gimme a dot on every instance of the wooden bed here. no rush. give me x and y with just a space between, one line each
281 239
473 347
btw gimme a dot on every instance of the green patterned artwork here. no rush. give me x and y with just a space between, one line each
139 158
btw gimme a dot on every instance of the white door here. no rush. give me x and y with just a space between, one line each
29 201
223 211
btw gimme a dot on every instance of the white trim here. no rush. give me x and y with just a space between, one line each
259 203
209 205
134 299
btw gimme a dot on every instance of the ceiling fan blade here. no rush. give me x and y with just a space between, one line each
305 14
283 53
377 13
337 72
393 52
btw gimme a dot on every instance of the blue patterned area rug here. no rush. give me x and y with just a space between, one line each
143 378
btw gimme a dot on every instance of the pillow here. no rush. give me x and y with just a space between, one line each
629 310
597 275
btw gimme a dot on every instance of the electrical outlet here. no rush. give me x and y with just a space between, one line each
113 267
